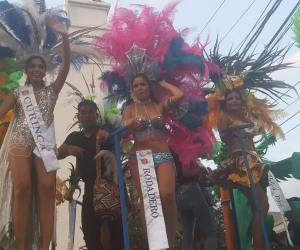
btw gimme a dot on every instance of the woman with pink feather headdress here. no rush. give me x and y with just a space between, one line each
158 78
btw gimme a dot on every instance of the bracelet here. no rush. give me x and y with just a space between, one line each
171 104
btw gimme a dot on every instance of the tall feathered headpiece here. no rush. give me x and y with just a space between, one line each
145 41
24 32
249 74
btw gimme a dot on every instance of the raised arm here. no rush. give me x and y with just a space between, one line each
176 95
65 65
7 104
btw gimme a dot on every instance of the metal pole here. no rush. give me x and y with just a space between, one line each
252 185
121 185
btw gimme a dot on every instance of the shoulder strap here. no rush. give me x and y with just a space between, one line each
157 109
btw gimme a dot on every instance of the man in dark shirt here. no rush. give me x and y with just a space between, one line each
82 145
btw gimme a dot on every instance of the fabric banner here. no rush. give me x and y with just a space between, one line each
44 138
72 221
156 229
280 201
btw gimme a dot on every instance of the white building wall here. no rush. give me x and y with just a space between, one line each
83 14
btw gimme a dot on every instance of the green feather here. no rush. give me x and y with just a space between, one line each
296 27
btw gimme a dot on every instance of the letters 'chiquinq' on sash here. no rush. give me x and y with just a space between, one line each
44 138
156 229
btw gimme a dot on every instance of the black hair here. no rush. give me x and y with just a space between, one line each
143 76
87 103
227 92
30 59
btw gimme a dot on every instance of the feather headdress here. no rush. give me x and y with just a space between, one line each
24 32
145 41
248 74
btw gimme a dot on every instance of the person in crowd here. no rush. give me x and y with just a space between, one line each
81 144
193 207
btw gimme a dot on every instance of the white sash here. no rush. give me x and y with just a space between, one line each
156 229
44 139
280 201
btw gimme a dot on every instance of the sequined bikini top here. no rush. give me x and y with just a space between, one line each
146 129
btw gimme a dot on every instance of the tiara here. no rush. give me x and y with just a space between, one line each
139 62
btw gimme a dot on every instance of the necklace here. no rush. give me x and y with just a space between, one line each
144 102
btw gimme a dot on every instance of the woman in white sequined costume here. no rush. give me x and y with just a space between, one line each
26 222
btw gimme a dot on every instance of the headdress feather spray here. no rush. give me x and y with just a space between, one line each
24 32
149 37
248 74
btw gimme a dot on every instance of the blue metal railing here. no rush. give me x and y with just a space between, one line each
252 185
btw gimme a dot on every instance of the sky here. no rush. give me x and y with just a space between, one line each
196 14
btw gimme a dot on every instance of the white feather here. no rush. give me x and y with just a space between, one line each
39 19
8 41
72 100
87 50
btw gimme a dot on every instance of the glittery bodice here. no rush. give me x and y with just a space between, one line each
145 130
21 135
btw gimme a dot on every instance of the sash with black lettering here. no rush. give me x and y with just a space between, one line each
156 229
280 201
44 138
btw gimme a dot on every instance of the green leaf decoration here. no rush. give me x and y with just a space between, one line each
296 27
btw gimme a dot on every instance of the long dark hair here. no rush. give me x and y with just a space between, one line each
30 59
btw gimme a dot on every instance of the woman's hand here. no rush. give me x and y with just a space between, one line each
102 135
162 82
129 123
58 27
234 125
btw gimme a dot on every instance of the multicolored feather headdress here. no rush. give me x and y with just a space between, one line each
24 33
248 74
146 42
